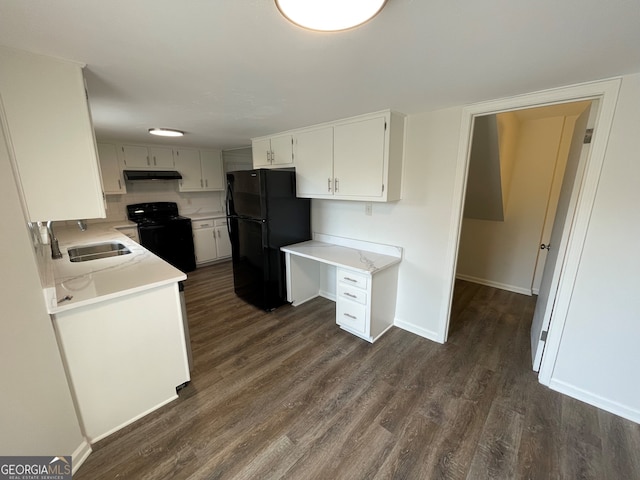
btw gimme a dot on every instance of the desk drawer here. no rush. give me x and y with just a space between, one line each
351 314
353 294
352 278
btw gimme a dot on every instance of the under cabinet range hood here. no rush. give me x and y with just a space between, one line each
134 175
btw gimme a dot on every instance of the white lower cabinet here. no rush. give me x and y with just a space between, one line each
124 357
352 308
131 232
223 243
334 267
210 240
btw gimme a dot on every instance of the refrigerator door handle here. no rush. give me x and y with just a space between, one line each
229 199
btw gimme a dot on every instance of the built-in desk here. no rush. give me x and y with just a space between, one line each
361 277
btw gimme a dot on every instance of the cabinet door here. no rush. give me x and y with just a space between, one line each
112 180
223 243
188 165
161 157
314 163
358 158
204 244
212 171
135 156
282 150
49 126
261 151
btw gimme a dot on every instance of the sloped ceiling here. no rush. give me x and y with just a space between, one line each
225 71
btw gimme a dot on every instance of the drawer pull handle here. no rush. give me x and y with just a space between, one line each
350 295
350 316
350 279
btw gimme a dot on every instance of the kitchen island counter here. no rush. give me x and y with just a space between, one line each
121 332
102 279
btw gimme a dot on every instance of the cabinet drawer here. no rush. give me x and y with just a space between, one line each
197 224
353 294
220 222
351 314
352 278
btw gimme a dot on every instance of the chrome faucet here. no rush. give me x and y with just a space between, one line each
55 248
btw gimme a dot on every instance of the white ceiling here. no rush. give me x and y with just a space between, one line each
227 70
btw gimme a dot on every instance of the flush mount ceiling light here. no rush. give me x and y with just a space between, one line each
166 132
329 15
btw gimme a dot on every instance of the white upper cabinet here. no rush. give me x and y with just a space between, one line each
188 164
135 156
314 162
112 180
273 151
201 170
161 157
212 170
147 158
358 158
47 119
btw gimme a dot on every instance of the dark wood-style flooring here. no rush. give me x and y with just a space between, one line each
289 395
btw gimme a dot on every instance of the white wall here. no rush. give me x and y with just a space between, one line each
504 253
36 409
599 351
162 191
419 222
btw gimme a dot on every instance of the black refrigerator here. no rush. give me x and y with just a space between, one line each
264 214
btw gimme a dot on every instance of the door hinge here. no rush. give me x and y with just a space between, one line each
543 336
587 135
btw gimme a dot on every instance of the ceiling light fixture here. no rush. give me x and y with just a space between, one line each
166 132
329 15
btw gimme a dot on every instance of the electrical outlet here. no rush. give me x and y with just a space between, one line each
368 208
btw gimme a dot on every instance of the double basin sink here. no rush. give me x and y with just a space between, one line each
84 253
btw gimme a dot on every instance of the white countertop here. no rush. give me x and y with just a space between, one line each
346 253
204 215
103 279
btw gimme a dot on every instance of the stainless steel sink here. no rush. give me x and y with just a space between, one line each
96 251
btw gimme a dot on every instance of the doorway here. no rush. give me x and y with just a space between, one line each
511 200
606 92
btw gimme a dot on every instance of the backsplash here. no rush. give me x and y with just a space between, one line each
161 191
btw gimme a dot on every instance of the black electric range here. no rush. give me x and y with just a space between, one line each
164 232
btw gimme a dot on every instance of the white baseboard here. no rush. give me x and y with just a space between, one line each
137 417
491 283
80 455
595 400
416 329
328 295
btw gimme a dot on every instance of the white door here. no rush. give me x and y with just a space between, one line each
188 165
314 162
559 239
161 157
212 170
358 158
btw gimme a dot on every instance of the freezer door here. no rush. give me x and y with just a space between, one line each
244 194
